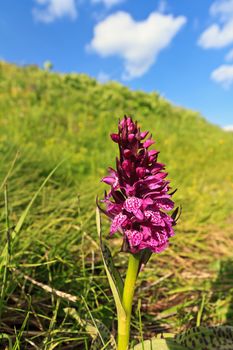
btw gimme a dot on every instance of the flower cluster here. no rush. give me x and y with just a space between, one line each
138 199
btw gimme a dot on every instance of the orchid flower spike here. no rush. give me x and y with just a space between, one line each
138 201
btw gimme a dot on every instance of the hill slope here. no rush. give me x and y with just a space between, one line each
50 117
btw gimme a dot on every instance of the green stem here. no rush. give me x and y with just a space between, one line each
127 300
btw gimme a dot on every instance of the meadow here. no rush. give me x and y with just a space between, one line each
54 285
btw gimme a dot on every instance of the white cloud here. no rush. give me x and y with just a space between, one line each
228 128
223 75
137 43
223 9
103 77
108 3
229 56
219 34
216 37
54 9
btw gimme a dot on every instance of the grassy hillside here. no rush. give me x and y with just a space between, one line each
46 118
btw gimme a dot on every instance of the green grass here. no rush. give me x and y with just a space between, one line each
47 118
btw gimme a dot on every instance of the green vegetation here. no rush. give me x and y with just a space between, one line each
46 118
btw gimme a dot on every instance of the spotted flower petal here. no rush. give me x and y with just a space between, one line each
117 222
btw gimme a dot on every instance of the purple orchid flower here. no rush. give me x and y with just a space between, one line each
138 200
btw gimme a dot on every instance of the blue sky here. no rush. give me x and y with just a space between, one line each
182 49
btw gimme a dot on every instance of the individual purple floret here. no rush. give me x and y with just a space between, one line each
138 199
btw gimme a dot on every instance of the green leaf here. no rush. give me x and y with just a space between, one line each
114 272
116 283
160 344
197 338
207 338
107 257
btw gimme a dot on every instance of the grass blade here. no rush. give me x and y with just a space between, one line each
23 217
